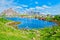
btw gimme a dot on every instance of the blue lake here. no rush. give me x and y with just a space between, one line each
32 23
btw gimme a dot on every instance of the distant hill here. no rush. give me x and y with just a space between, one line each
10 13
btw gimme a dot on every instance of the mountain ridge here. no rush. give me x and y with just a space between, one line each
9 12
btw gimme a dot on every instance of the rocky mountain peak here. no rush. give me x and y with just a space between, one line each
10 12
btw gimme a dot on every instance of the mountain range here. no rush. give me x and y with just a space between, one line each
9 12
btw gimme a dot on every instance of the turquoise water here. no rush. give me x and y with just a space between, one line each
32 23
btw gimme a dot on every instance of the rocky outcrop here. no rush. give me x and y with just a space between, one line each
9 13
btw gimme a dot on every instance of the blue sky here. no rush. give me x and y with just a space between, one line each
43 6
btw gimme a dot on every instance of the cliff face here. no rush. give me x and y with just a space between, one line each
10 12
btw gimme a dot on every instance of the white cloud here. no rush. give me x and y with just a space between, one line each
18 7
6 2
36 2
35 8
45 6
31 8
38 7
24 5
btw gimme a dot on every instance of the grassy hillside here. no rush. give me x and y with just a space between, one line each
10 33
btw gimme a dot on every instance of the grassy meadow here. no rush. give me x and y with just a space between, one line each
10 33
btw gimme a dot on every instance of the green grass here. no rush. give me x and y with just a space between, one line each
10 33
3 20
